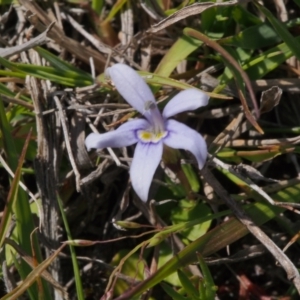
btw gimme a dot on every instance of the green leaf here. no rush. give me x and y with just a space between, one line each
281 30
187 285
114 10
77 276
97 6
179 51
188 211
12 197
171 292
133 267
243 17
165 254
208 282
60 64
24 218
255 37
191 176
65 77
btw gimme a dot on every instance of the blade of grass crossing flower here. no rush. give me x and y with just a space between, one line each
281 30
79 289
24 217
151 78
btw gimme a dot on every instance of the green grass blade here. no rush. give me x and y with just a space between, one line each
68 77
7 92
179 51
97 6
210 288
60 64
22 209
255 37
79 289
12 195
173 294
281 30
187 285
114 10
24 218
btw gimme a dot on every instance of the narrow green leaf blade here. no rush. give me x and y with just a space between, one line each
12 195
179 51
173 294
282 31
79 288
187 285
210 288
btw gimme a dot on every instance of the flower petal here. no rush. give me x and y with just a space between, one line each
144 164
125 135
131 86
181 136
190 99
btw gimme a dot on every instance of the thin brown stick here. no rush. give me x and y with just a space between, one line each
198 35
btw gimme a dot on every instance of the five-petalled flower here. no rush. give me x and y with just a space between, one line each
154 130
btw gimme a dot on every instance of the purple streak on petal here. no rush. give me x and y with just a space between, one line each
186 100
125 135
155 118
181 136
132 87
144 164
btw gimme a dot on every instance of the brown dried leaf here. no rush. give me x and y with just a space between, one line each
38 271
269 99
191 10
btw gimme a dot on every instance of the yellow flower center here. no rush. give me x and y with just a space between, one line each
150 137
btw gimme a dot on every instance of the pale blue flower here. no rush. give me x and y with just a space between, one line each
152 132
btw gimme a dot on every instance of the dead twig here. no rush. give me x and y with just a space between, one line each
67 141
39 19
37 41
188 11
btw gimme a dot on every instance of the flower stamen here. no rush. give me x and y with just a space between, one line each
150 137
